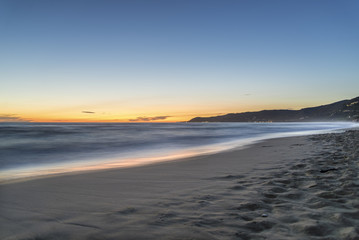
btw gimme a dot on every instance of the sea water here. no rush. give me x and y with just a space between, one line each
31 149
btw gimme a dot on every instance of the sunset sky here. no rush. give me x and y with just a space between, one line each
172 60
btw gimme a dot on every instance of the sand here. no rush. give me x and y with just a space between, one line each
290 188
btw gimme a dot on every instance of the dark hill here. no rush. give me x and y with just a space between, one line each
346 110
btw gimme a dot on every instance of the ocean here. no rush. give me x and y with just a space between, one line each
34 149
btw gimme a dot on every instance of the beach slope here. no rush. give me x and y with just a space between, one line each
288 188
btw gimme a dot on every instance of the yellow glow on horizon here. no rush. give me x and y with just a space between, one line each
151 111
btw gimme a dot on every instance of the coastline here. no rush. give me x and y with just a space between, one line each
142 158
285 188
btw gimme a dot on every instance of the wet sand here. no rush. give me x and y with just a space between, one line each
289 188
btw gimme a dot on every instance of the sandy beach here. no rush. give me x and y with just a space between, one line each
288 188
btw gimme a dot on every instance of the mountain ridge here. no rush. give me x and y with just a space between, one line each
344 110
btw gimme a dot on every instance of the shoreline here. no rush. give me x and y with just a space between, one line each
284 188
22 174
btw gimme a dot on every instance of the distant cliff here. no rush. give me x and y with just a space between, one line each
346 110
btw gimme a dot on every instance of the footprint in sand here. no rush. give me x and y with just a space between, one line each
229 177
126 211
237 187
259 226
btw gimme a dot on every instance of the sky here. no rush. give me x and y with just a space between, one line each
172 60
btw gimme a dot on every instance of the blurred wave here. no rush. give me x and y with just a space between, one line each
41 145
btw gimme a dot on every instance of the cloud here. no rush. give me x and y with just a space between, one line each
88 112
11 118
147 119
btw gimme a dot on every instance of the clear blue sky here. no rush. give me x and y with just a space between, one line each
128 59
